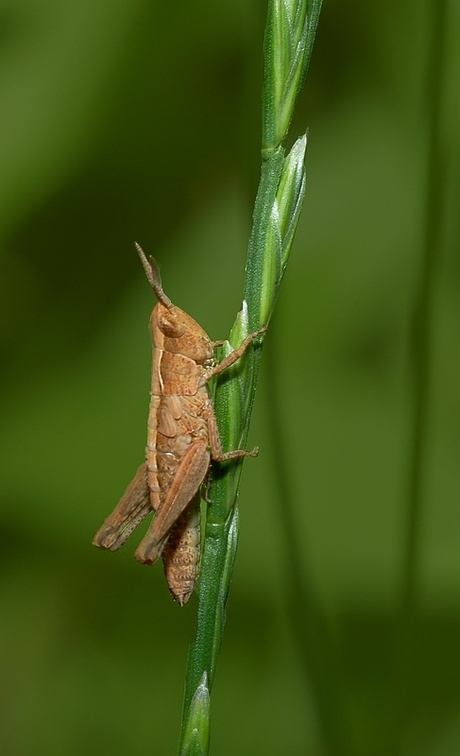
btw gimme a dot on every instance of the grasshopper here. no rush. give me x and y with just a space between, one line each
182 439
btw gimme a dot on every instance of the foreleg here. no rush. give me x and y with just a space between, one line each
232 357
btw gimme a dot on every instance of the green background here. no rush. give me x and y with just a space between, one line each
127 120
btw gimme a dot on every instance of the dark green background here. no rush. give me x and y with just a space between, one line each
125 120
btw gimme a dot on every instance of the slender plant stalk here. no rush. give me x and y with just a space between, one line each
289 36
318 653
406 678
423 309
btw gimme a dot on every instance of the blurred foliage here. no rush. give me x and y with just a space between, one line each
126 121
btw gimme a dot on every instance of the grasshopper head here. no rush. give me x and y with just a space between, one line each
182 334
172 328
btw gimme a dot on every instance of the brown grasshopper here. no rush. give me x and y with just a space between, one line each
182 439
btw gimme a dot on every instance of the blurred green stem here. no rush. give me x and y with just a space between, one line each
406 680
422 336
289 35
317 648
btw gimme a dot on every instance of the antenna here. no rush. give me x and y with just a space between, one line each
153 276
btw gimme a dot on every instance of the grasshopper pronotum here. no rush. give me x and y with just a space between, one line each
182 439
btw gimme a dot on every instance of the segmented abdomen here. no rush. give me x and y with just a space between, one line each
181 555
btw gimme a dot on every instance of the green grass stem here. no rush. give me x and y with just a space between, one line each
290 32
422 337
316 644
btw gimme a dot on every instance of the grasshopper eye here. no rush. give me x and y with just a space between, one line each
171 324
